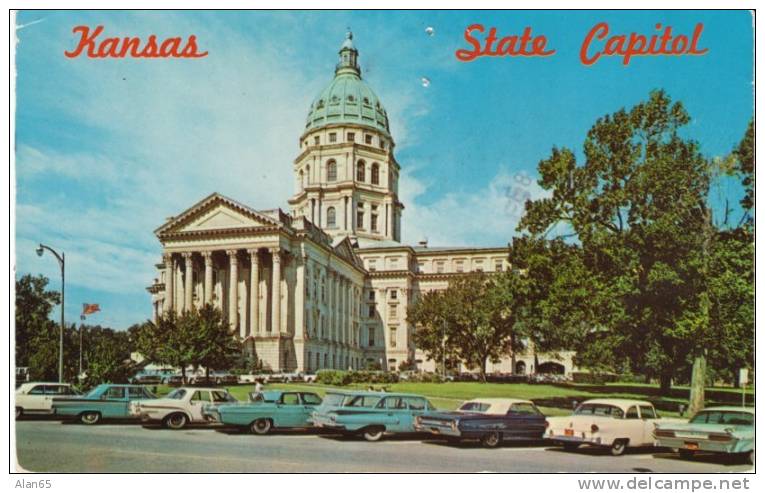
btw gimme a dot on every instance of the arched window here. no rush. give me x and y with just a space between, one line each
375 174
331 171
308 174
331 217
300 180
360 171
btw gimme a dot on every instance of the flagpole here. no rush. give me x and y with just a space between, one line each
80 373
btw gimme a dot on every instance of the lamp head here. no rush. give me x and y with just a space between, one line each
39 251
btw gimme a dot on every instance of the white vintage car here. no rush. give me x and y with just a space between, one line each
37 397
180 407
613 423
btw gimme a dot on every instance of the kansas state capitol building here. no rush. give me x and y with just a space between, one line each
328 285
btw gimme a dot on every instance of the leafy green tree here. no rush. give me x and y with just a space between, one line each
474 318
106 355
744 154
34 304
219 346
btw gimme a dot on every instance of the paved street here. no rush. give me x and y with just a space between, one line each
50 446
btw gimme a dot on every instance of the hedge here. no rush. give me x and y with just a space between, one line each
341 377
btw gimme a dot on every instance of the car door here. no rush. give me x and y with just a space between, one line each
396 414
34 399
631 426
417 407
310 402
197 401
113 403
289 411
648 417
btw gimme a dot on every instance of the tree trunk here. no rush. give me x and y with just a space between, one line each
183 374
665 382
698 382
482 369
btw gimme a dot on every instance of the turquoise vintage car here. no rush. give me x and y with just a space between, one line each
370 414
105 401
267 410
727 430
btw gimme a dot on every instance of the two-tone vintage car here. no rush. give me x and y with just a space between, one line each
489 420
180 407
267 410
612 423
728 430
37 397
370 414
105 401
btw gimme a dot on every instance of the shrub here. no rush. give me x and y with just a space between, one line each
594 378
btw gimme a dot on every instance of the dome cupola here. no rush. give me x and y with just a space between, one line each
348 99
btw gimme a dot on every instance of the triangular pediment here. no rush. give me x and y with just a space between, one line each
215 212
344 249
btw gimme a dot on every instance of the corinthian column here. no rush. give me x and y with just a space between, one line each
188 281
276 290
208 276
254 294
233 296
168 258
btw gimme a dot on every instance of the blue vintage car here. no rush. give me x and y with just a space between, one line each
728 430
370 414
267 410
105 401
489 420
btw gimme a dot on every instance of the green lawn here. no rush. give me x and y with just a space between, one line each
552 399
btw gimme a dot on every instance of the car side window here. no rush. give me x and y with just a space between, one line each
114 393
203 396
416 403
311 399
136 393
632 413
218 396
394 403
38 390
290 399
647 412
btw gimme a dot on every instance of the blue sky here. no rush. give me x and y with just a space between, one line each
106 149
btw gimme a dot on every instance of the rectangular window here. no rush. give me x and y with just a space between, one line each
392 331
371 311
374 222
351 137
360 218
382 144
394 294
392 312
316 140
368 139
371 336
372 295
498 266
372 266
440 267
421 267
459 266
332 137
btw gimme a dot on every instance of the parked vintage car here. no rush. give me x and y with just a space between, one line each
613 423
173 380
37 397
146 379
489 420
105 401
370 414
728 430
180 407
267 410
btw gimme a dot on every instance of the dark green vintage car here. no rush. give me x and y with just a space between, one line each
266 411
105 401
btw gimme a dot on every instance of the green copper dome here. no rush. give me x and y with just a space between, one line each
348 99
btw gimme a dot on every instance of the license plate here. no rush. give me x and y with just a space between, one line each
691 446
569 432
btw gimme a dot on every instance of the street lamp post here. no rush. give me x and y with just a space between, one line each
40 250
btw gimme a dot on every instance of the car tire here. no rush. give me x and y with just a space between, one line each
19 412
618 447
491 440
570 447
373 434
175 421
261 426
686 454
90 417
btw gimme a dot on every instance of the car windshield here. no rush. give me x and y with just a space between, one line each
176 394
599 410
96 391
724 418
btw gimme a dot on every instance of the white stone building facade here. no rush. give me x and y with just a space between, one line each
327 285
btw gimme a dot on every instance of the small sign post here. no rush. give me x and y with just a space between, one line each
743 379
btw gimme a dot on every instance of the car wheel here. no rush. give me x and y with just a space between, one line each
373 434
570 447
261 426
491 440
19 412
176 421
90 417
618 447
686 454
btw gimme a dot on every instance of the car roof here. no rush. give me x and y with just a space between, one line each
622 403
499 400
729 408
203 388
374 393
